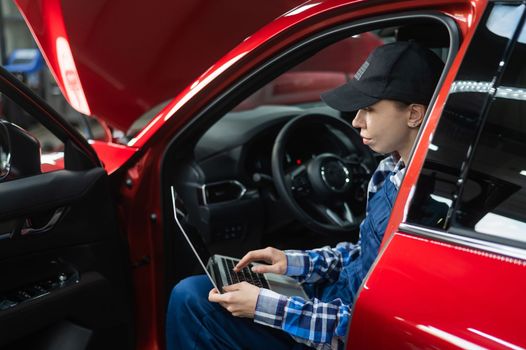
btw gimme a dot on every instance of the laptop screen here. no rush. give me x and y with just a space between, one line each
193 240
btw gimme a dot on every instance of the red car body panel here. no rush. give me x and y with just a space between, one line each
425 294
151 60
406 302
112 155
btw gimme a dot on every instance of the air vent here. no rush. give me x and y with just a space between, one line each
223 191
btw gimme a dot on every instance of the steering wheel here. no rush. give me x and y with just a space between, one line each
328 192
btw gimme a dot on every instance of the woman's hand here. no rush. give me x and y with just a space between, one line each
239 299
275 257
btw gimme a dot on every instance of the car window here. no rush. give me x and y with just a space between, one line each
327 69
471 178
303 84
334 65
493 200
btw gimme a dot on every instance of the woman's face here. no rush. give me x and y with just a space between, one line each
384 127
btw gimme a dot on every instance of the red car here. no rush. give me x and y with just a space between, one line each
90 252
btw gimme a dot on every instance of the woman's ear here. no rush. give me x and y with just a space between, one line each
416 115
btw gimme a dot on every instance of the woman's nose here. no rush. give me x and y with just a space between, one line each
357 122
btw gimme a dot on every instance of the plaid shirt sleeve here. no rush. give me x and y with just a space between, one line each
320 264
312 322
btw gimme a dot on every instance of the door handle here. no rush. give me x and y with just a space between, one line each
8 228
28 230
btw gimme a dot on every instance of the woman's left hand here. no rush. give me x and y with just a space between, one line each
239 299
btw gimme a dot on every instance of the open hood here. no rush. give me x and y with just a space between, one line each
117 59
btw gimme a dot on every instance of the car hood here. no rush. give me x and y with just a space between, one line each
117 59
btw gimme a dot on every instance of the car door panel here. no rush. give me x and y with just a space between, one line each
64 266
453 299
83 245
46 191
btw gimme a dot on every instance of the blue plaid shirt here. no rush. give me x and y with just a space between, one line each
322 325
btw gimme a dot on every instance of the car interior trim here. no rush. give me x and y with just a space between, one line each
479 244
67 186
7 235
45 228
206 190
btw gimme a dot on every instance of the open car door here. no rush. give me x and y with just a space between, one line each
63 264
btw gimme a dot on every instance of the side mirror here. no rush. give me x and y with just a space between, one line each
5 151
19 152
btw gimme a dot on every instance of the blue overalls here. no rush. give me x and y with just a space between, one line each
372 231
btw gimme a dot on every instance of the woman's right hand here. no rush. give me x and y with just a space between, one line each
276 259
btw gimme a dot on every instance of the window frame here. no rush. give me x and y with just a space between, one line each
461 235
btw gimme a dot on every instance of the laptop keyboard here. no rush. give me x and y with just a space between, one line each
245 274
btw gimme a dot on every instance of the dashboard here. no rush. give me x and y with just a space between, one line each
240 144
227 185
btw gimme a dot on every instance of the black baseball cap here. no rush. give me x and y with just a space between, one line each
402 71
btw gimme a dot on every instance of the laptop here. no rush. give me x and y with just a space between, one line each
219 268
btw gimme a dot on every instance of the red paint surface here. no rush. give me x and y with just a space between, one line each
425 294
112 155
